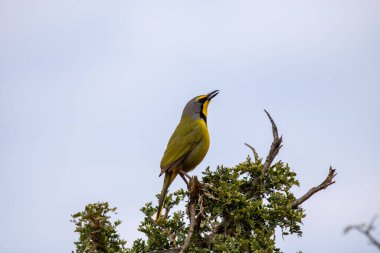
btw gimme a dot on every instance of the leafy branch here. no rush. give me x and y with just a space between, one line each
97 233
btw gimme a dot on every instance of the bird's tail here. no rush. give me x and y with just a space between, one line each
169 177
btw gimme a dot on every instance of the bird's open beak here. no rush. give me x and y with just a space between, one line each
212 94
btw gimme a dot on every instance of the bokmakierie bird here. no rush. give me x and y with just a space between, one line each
188 145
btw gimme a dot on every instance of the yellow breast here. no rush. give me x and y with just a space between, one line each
199 152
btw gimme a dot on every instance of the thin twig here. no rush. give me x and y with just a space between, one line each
370 224
366 230
326 183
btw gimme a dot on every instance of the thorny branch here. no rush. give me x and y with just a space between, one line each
365 230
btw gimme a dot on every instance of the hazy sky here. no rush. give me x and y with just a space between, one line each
90 92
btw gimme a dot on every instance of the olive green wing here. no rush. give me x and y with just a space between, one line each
185 138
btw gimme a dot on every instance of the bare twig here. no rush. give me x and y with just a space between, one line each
370 225
186 244
326 183
365 230
273 152
275 147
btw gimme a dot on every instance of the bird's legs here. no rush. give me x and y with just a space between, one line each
184 175
184 178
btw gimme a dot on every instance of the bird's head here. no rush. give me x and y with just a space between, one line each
196 108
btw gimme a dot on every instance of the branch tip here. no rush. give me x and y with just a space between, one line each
275 147
322 186
274 127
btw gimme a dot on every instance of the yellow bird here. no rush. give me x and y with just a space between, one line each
188 145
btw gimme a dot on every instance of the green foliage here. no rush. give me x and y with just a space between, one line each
164 233
238 210
96 232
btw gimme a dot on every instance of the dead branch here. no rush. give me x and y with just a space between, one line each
273 152
326 183
365 230
275 147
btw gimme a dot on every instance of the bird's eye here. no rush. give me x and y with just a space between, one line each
202 100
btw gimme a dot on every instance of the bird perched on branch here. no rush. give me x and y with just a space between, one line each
188 145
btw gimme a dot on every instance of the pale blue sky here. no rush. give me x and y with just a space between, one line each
90 92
